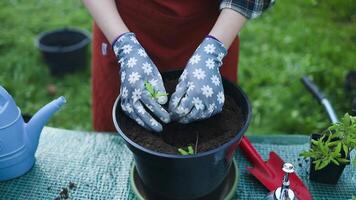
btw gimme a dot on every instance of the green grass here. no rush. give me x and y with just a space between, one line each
23 72
317 38
314 38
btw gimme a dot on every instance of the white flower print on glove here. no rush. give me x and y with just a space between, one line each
200 93
137 71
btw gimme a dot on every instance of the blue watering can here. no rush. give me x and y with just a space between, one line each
19 140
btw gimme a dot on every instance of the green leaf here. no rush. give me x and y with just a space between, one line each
149 88
333 127
335 154
338 148
315 142
346 120
353 119
331 144
324 149
346 149
183 152
323 164
353 141
317 164
343 160
190 150
335 161
329 137
154 94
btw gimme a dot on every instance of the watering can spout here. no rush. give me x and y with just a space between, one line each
38 121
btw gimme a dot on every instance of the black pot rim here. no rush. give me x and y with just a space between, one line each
52 49
174 156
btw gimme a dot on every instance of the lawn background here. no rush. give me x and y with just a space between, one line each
316 38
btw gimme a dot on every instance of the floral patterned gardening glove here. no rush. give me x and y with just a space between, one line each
200 93
141 84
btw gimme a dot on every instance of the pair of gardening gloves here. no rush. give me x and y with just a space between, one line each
198 95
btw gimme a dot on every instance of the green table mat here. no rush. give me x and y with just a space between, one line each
99 165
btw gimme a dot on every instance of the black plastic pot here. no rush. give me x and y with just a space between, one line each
330 174
64 50
186 177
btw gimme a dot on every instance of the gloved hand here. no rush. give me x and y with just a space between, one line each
200 93
138 73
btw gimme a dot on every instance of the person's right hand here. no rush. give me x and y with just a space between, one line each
138 74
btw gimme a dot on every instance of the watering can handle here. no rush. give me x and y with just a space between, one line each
313 88
309 84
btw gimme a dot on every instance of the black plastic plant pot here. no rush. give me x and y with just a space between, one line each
180 177
330 174
64 50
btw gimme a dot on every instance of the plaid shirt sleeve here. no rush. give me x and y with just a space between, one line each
248 8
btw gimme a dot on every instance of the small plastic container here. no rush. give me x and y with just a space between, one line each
331 173
64 50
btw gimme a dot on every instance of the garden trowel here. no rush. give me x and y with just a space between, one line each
270 173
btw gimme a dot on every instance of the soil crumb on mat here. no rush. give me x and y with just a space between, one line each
211 133
64 193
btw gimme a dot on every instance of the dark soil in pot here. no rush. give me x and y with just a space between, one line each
331 173
208 134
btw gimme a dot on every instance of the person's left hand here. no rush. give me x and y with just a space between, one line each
142 89
200 93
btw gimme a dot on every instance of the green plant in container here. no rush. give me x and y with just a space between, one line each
189 151
330 151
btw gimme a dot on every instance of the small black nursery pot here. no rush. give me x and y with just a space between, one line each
331 173
178 177
64 50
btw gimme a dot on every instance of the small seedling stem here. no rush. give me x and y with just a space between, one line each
196 143
190 150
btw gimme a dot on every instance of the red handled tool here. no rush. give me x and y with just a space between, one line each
269 172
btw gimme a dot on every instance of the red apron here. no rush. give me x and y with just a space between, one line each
169 30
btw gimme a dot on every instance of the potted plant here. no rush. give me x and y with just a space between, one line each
330 151
186 161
